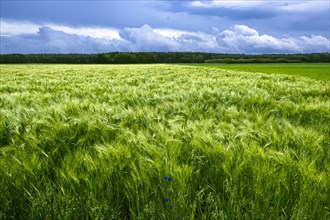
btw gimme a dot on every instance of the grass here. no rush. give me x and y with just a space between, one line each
314 71
162 142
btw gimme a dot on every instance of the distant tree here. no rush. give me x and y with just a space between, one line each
100 58
123 58
164 57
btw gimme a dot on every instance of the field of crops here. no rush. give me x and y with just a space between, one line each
162 142
314 71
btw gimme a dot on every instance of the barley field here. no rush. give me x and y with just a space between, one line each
162 142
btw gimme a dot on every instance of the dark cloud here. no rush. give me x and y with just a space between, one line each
79 13
277 18
224 12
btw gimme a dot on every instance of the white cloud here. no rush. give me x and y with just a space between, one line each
12 28
190 41
95 32
47 40
313 43
171 33
146 39
242 39
64 39
244 30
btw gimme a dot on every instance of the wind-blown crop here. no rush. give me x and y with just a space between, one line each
96 142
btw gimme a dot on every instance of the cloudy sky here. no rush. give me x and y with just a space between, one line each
220 26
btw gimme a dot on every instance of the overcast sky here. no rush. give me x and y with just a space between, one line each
209 26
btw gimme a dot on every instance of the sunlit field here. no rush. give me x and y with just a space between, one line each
162 142
319 71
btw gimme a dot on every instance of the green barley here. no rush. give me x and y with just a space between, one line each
95 142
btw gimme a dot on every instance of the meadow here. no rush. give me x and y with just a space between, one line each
319 71
162 142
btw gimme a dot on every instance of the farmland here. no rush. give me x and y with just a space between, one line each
162 142
314 71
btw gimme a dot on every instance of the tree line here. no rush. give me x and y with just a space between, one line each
163 57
